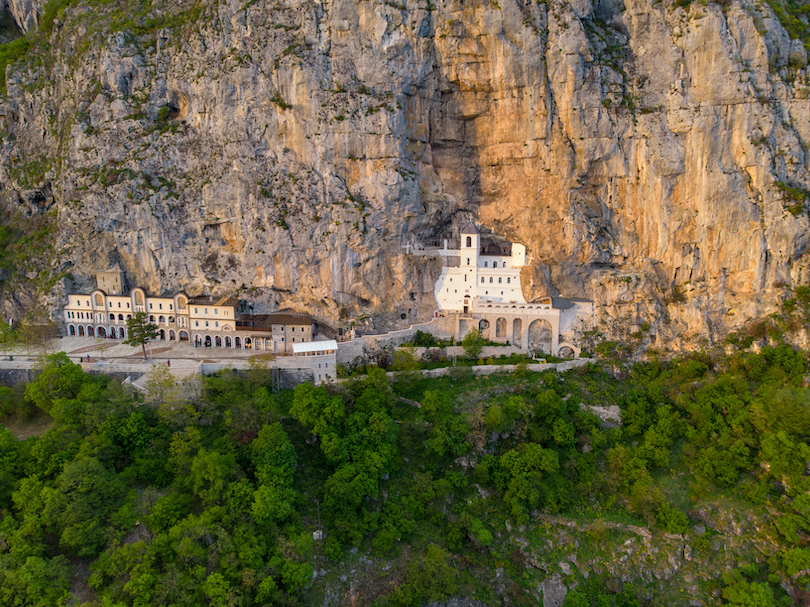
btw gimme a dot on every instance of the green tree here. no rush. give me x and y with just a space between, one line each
473 343
140 331
60 378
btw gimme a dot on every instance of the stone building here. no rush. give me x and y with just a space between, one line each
219 322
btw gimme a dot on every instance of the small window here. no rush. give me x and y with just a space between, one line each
127 305
119 304
150 305
293 329
468 261
206 323
469 241
196 323
482 280
500 280
490 279
206 310
88 303
465 278
508 281
170 307
216 323
216 311
195 311
494 264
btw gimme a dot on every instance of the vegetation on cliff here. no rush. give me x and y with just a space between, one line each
490 488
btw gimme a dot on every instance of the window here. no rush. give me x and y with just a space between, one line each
127 305
150 305
160 306
469 241
293 329
88 303
490 279
494 264
282 328
500 280
468 261
206 310
196 323
508 281
216 323
216 311
119 304
486 264
206 323
170 307
282 339
293 340
465 278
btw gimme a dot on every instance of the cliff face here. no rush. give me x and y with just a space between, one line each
651 157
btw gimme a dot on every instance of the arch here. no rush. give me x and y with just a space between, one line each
162 335
183 335
101 332
494 264
226 328
275 346
129 316
469 241
227 341
138 298
71 330
258 344
483 325
112 317
182 302
171 319
90 332
500 328
81 331
120 318
162 319
517 331
248 343
207 341
540 335
99 299
151 318
237 342
568 350
171 335
121 333
218 341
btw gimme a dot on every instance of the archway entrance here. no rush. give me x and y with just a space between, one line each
102 332
500 328
467 303
248 343
171 335
183 336
90 332
71 330
121 333
517 331
483 327
81 331
566 352
238 342
218 341
207 341
540 336
162 335
227 342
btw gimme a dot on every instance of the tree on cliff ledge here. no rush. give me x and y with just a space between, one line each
140 331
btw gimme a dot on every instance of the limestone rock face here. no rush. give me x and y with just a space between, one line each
289 151
26 13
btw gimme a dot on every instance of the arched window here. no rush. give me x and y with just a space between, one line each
490 279
469 241
494 264
112 317
486 264
482 280
465 278
500 280
468 261
508 281
151 318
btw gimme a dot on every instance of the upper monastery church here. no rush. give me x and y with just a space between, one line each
491 273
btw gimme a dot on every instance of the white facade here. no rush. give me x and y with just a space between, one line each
489 275
322 356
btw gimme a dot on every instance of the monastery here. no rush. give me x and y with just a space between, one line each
202 321
480 285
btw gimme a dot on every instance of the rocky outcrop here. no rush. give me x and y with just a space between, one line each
651 157
26 13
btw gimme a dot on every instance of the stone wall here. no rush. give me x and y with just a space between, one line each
441 328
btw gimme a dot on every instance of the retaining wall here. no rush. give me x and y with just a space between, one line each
441 328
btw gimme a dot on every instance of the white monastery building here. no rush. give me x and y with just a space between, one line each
480 286
490 272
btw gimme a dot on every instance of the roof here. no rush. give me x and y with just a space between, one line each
470 229
115 269
278 318
208 300
561 303
314 346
